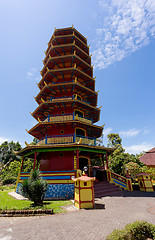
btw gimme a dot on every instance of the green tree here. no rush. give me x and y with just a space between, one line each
7 154
114 141
118 159
27 165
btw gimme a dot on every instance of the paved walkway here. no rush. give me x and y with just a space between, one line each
110 213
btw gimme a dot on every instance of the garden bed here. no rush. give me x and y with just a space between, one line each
13 207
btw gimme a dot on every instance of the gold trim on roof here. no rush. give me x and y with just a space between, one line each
65 56
65 45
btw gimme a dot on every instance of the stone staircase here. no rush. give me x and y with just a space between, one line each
104 189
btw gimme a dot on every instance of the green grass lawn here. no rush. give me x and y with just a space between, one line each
9 203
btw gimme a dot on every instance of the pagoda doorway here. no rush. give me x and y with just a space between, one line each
83 161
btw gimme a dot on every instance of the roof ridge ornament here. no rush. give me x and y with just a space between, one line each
26 144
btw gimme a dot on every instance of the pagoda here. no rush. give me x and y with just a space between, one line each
67 113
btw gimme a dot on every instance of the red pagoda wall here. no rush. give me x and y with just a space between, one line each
57 161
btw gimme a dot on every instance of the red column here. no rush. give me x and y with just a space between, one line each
35 157
22 164
107 160
103 160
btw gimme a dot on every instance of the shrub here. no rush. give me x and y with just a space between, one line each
34 188
139 230
9 179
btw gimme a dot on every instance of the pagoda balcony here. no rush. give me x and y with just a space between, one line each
67 117
67 98
67 139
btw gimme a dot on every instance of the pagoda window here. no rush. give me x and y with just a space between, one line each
79 113
80 132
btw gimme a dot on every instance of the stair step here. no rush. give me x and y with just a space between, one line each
102 189
106 187
108 194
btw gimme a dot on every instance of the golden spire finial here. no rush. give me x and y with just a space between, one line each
72 26
75 65
74 52
26 130
75 79
73 42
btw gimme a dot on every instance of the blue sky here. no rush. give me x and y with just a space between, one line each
121 37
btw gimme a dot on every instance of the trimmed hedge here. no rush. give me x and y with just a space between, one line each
139 230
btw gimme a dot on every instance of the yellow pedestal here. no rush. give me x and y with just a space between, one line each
84 192
145 183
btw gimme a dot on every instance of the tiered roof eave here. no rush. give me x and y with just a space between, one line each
30 149
67 29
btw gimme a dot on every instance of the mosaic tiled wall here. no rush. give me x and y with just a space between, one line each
55 191
62 191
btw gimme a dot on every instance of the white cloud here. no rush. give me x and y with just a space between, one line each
125 26
145 131
3 139
106 131
129 133
32 74
136 149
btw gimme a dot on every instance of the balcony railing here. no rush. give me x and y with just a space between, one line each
66 98
67 117
70 138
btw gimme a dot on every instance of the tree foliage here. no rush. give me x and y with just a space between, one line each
118 160
10 163
7 154
133 169
114 141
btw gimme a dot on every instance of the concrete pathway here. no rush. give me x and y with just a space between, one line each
110 213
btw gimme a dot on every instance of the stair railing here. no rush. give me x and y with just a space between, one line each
122 182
